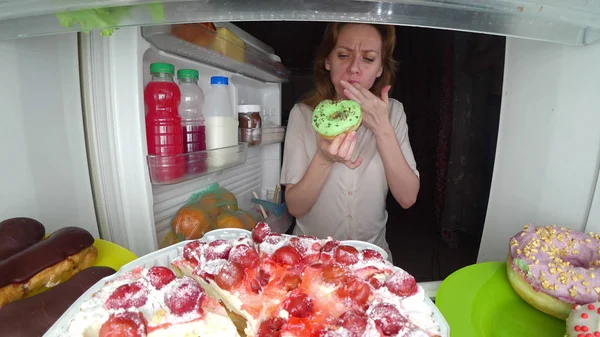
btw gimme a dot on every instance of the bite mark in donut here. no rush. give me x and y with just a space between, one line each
332 118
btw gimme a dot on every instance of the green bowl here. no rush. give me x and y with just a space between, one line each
478 301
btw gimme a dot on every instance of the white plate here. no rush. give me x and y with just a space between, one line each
163 257
360 245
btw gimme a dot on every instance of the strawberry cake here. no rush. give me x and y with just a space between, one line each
277 285
151 303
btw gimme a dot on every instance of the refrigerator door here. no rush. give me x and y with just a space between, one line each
44 164
112 92
548 151
593 220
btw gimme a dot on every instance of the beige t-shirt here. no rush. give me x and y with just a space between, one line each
351 205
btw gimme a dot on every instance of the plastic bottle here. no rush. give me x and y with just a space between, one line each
163 124
192 119
221 120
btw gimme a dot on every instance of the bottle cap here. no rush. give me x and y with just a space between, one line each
244 108
187 73
219 80
161 67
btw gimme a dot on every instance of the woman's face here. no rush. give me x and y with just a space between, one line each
356 57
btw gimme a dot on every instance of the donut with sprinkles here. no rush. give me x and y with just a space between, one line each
584 321
553 268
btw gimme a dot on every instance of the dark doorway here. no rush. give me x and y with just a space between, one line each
450 84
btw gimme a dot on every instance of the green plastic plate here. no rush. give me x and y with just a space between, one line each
478 301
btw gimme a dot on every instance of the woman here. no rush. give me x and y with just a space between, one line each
338 188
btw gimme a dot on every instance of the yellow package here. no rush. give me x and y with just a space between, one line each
229 45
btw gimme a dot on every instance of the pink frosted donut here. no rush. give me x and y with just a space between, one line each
554 268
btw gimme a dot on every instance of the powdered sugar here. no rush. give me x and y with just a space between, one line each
270 246
213 267
181 294
414 307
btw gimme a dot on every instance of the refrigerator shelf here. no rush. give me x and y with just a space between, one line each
229 53
188 166
569 22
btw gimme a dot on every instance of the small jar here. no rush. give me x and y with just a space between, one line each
250 124
249 116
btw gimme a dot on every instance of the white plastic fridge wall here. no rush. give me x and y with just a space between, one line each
45 172
548 151
262 167
164 256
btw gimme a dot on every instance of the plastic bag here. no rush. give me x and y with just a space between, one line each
278 217
235 219
213 207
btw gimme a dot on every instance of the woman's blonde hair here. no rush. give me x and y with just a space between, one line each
324 89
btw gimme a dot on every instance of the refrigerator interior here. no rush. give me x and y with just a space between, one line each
129 55
548 147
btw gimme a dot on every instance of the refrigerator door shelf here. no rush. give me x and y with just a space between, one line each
188 166
224 51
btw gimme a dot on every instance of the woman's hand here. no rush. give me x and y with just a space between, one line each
375 110
340 149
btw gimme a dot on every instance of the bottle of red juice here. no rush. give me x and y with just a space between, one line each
163 124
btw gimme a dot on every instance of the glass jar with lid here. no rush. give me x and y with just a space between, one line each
250 123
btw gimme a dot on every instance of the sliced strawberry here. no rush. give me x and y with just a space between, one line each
330 246
387 318
160 276
255 286
263 277
298 304
127 296
355 321
354 289
369 271
271 327
370 254
218 249
346 255
333 273
230 276
306 245
123 324
327 333
274 238
184 298
402 284
287 255
260 231
290 281
191 251
244 256
326 258
375 282
203 274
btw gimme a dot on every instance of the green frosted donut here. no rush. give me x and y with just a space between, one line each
331 118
